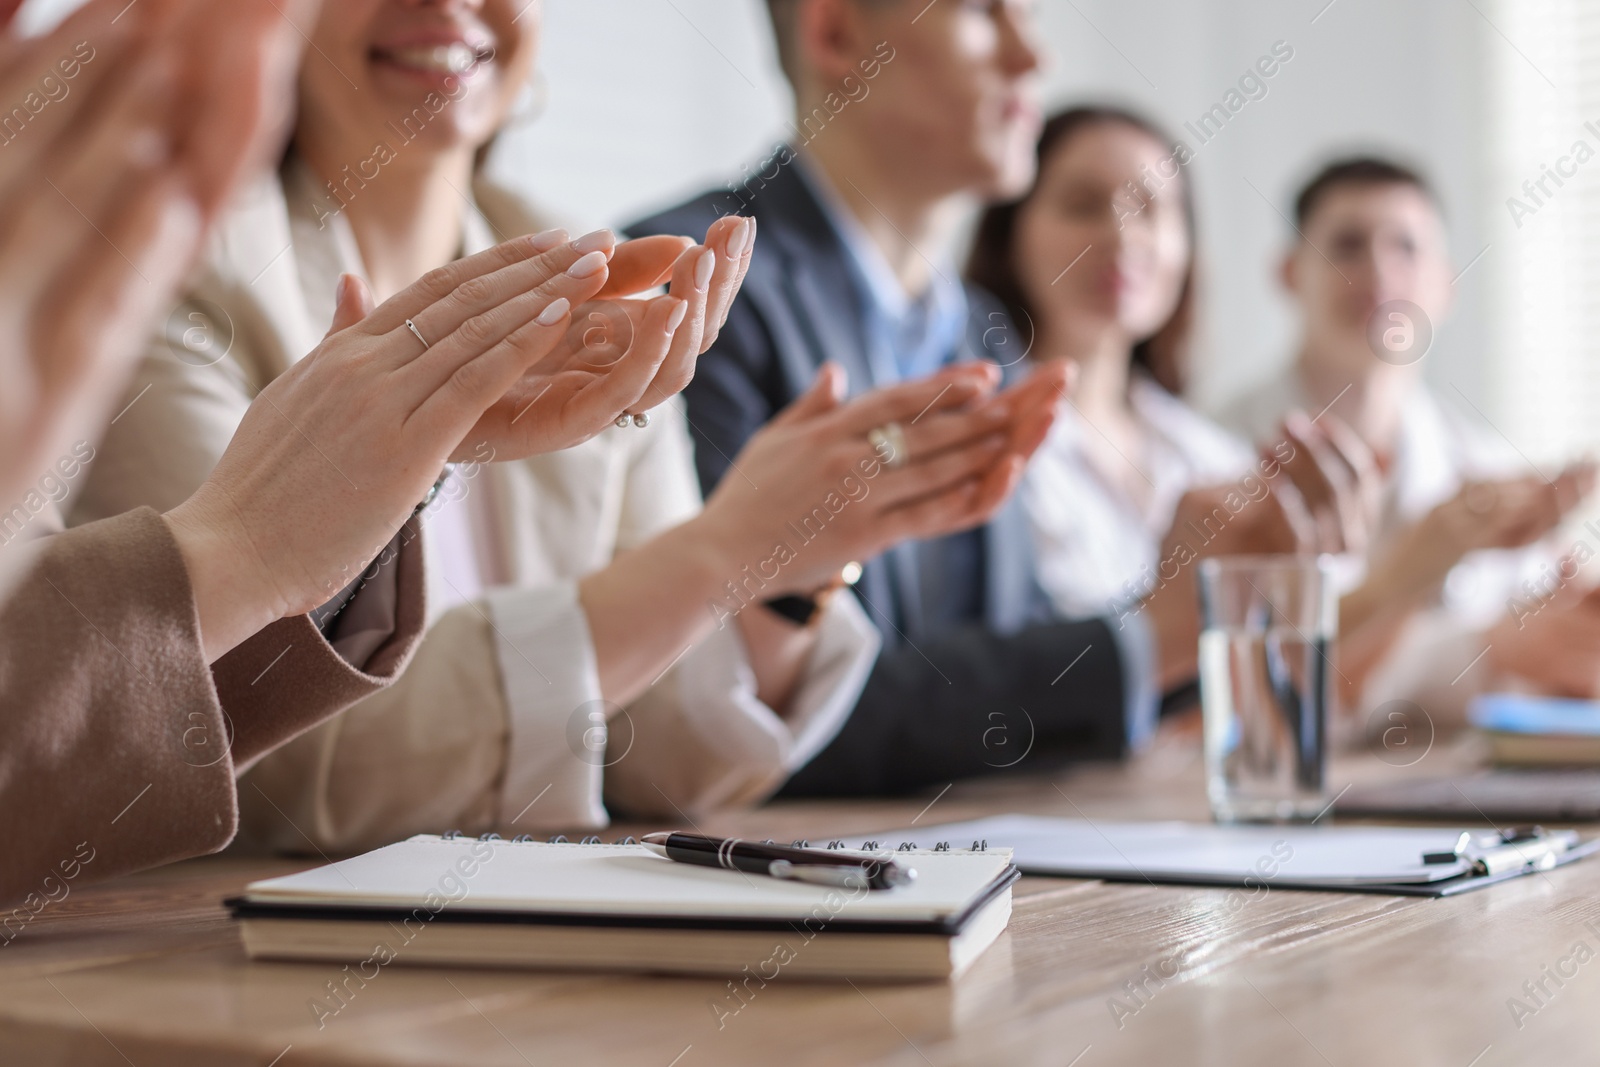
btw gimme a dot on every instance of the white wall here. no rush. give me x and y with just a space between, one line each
650 100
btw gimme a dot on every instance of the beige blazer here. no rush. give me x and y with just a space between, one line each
121 744
499 722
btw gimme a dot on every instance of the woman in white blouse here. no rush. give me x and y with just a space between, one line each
1096 264
582 593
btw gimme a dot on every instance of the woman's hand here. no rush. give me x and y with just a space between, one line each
818 488
612 362
335 454
106 193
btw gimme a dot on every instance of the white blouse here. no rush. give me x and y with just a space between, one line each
1097 547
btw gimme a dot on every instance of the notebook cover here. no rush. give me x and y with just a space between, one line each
616 886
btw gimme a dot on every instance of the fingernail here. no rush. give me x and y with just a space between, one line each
554 313
598 241
593 263
544 242
703 269
675 319
736 240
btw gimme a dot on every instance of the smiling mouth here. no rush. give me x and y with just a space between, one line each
457 58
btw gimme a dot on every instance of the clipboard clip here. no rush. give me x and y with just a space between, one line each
1524 848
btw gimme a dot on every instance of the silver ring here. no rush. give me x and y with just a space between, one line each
417 334
889 442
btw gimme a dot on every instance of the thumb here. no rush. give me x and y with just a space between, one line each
827 390
353 302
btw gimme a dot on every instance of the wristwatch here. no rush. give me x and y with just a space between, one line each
802 610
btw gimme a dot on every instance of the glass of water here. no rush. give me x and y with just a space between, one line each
1265 686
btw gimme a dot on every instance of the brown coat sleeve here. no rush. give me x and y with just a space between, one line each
115 750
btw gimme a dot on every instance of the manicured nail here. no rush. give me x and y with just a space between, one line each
554 313
598 241
703 269
593 263
544 242
736 240
675 319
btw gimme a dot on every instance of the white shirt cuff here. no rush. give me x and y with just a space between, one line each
757 749
556 751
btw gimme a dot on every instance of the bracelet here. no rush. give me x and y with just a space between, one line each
433 492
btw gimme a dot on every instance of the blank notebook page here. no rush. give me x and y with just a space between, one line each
618 880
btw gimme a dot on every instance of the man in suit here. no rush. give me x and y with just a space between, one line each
904 109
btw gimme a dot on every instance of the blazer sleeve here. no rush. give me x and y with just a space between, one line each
121 742
973 702
738 387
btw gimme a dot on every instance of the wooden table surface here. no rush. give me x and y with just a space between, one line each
149 971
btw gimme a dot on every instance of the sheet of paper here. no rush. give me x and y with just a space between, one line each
1333 855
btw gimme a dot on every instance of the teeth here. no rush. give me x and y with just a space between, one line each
442 59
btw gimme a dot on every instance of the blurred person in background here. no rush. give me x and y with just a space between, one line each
1098 260
904 113
1464 588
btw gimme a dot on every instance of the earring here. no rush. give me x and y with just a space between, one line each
532 99
623 420
641 420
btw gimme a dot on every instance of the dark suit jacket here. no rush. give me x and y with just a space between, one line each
939 705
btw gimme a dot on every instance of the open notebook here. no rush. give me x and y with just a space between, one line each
452 900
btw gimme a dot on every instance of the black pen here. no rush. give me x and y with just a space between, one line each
846 870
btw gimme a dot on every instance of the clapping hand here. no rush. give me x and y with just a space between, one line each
335 453
614 362
106 193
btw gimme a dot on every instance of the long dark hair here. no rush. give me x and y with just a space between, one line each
992 263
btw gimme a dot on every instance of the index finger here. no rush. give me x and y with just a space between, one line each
439 283
908 401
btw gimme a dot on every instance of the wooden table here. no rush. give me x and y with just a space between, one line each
149 971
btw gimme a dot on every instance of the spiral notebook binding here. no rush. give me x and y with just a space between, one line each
594 839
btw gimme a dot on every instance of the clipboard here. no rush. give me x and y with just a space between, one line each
1393 860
